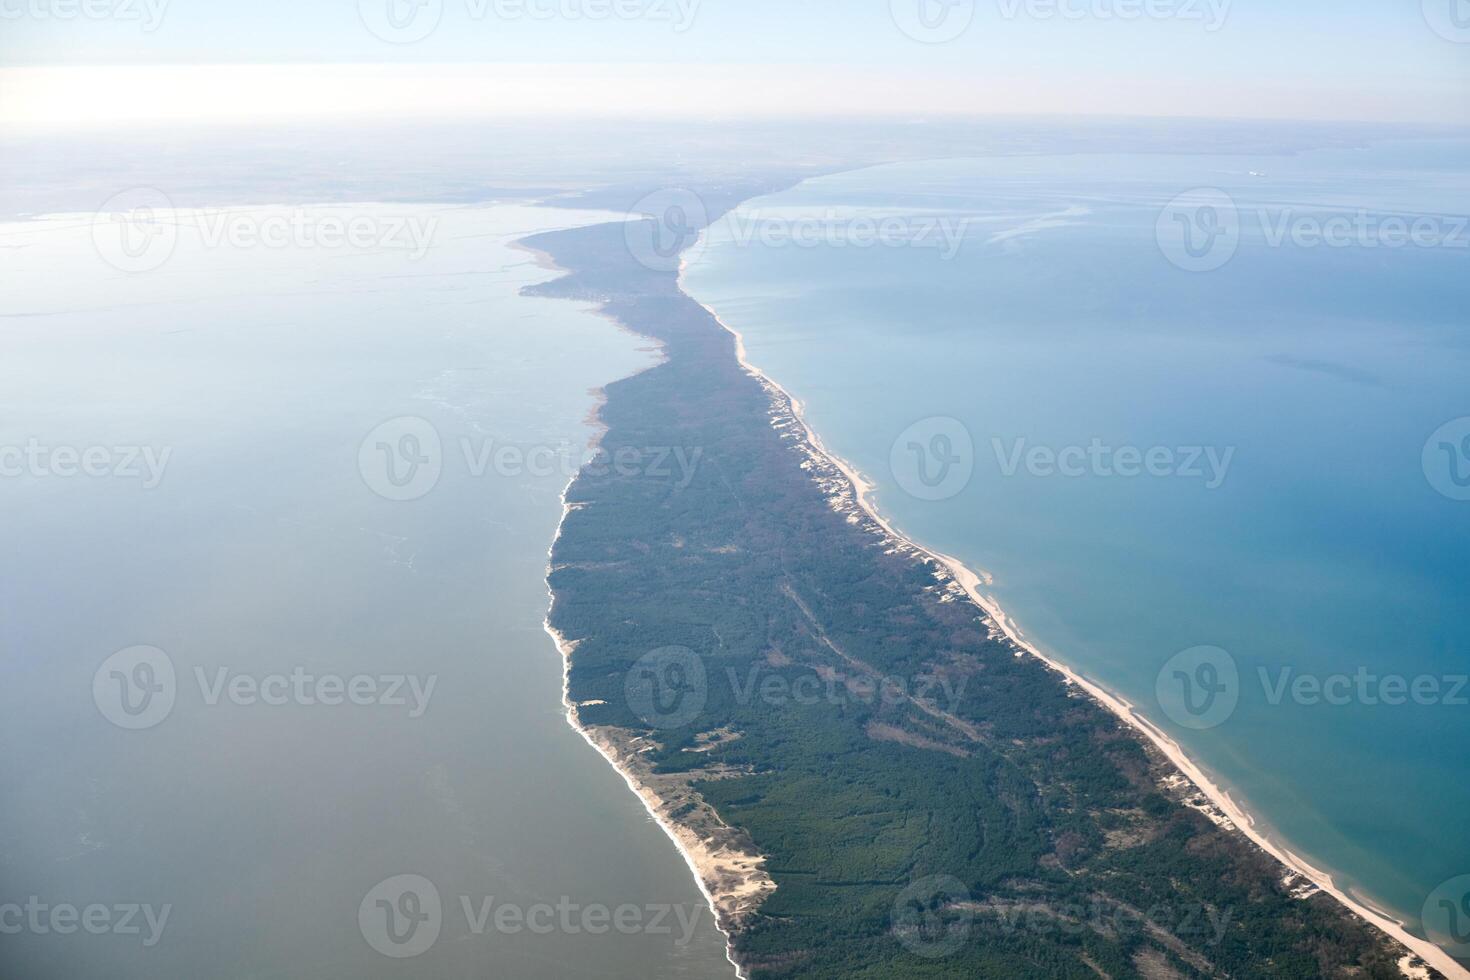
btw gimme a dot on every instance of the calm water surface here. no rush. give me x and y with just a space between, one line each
1072 315
268 548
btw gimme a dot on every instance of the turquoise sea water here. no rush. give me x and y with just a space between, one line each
275 542
1286 315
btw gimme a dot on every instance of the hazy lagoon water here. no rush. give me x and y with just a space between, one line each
268 548
1073 315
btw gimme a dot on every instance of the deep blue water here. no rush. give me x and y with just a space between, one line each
1073 315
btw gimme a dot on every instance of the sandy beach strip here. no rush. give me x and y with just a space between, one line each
707 866
971 582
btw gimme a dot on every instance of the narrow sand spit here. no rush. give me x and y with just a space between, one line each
730 874
1222 808
732 878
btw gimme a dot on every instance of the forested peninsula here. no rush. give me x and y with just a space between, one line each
869 777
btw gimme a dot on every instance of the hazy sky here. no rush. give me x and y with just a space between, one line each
1330 59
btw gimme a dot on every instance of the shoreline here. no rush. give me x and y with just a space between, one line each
645 794
565 648
1222 808
970 582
